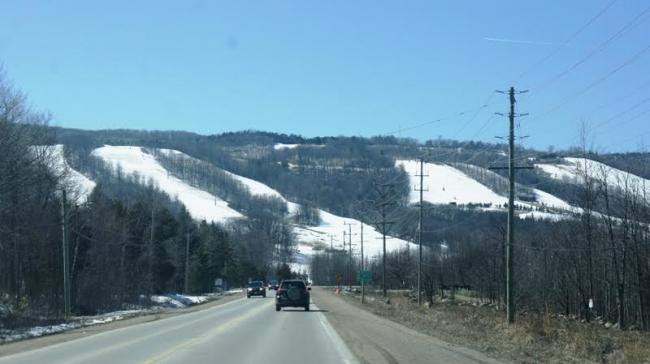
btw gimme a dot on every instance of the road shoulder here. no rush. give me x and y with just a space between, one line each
377 340
43 341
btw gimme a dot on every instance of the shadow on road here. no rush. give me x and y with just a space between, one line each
302 310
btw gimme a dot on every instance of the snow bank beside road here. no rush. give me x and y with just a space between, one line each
177 300
160 302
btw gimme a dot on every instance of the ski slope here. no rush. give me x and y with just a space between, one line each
200 204
330 229
549 200
78 187
575 169
445 184
260 189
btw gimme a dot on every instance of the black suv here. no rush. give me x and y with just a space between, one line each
292 293
255 288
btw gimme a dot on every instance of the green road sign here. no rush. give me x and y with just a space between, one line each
364 276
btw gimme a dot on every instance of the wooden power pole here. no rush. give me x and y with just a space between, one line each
509 256
66 265
421 190
187 263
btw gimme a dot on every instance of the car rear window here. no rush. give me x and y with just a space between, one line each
290 284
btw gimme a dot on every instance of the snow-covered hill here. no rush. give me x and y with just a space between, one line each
446 184
200 204
574 170
309 237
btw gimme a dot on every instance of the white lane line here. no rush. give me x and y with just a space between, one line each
346 354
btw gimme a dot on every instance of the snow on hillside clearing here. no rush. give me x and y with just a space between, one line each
78 187
446 184
199 203
260 189
551 201
539 215
306 236
575 168
332 227
279 146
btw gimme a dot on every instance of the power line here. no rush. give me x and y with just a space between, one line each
622 112
470 120
595 83
567 41
625 29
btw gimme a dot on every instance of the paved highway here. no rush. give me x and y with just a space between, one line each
241 331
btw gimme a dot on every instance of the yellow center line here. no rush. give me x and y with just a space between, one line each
208 335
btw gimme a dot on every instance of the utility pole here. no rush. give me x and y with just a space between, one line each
363 285
66 267
187 263
421 190
382 189
510 301
150 252
350 252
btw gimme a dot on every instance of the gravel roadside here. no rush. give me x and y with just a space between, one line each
377 340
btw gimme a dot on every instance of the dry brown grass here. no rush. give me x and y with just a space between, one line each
535 337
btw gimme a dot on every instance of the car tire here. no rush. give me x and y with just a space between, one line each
247 296
277 308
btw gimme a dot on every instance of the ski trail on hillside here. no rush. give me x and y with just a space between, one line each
200 204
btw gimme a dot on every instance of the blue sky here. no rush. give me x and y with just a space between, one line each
336 67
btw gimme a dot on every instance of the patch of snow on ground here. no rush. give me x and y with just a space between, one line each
165 301
552 201
575 168
333 225
538 215
613 176
447 184
200 204
561 172
279 146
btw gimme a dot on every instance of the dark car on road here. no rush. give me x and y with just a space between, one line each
255 288
292 293
273 285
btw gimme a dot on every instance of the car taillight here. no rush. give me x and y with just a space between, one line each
280 291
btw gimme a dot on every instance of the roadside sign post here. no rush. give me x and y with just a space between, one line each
364 276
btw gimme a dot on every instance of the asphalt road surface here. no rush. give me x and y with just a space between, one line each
241 331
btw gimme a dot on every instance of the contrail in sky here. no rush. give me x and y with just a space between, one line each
518 41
